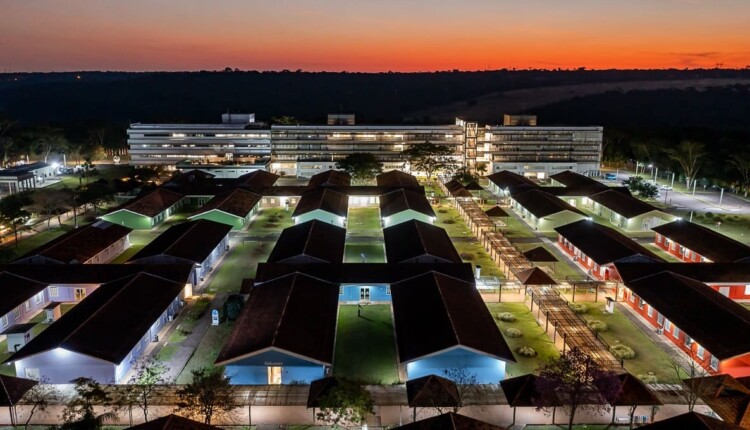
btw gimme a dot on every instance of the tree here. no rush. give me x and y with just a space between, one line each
688 155
693 386
13 212
481 168
644 189
6 142
576 382
741 162
429 158
209 395
96 194
362 166
39 399
464 175
466 385
347 403
48 201
46 141
79 413
148 375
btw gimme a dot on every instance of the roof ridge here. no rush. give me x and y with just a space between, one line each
283 310
447 311
190 226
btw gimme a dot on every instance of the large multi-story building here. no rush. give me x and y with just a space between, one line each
304 150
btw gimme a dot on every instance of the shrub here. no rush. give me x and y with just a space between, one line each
649 378
506 316
579 308
449 221
622 352
513 333
709 215
526 351
443 211
598 326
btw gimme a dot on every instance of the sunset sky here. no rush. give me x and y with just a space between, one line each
377 35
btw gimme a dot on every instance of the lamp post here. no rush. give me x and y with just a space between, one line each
672 180
721 196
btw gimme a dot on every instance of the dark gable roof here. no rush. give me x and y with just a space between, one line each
473 186
520 391
706 242
113 311
81 244
505 179
623 204
153 203
432 391
316 239
412 239
372 273
710 273
539 254
585 191
237 202
196 183
575 180
335 178
402 200
93 273
496 211
16 290
458 317
173 422
396 178
634 392
258 180
535 276
725 395
456 189
602 244
12 389
192 241
295 313
716 322
449 421
323 199
542 204
691 421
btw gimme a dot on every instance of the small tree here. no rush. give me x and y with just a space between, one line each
741 163
347 403
467 385
362 166
148 375
79 412
576 382
641 187
39 399
209 395
13 212
688 155
693 385
429 158
464 175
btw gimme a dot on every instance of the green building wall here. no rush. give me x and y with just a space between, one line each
130 220
236 222
406 215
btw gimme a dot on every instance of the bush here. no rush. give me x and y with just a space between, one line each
579 308
526 351
513 333
449 221
506 316
649 378
443 211
622 352
598 326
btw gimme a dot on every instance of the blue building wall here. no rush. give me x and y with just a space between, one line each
24 311
254 370
378 293
488 370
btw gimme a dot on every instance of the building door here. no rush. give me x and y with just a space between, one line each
274 375
80 294
364 294
724 291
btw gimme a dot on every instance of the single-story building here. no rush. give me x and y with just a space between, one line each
22 299
571 179
397 178
148 210
543 211
442 323
257 181
95 243
597 248
694 243
25 176
693 421
404 205
418 242
711 329
310 242
449 421
505 182
330 178
81 343
627 212
200 242
234 208
285 333
324 205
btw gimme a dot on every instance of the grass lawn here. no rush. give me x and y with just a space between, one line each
374 251
30 243
455 226
106 171
649 357
365 347
364 221
474 253
271 221
533 336
241 262
516 228
125 256
167 352
206 352
660 252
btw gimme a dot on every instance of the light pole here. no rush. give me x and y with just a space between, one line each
666 193
721 196
672 180
656 173
695 183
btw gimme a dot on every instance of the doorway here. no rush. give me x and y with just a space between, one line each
274 375
80 294
364 294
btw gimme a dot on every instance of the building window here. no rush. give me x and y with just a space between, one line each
699 353
641 303
659 318
38 297
5 321
676 332
632 298
27 305
388 290
53 292
747 290
341 291
714 363
667 325
650 311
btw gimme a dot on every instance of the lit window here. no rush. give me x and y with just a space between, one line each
714 363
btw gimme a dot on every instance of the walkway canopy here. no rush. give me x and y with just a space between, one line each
496 211
432 391
535 276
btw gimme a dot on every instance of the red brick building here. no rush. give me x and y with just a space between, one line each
697 244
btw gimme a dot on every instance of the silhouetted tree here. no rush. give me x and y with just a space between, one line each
362 166
209 395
